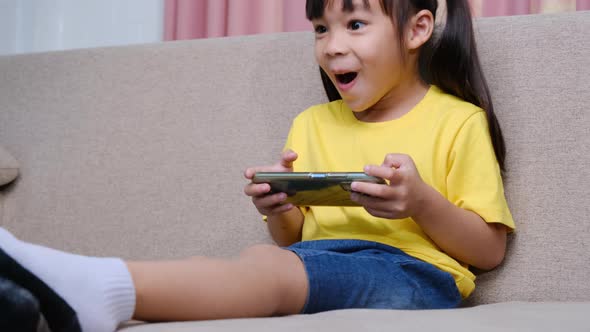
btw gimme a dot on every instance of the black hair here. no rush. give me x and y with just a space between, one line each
450 62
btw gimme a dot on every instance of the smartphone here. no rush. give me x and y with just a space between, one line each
315 188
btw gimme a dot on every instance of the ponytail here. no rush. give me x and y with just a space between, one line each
450 62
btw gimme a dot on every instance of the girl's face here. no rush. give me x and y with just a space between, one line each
359 50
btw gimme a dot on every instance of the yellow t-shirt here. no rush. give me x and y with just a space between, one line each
449 141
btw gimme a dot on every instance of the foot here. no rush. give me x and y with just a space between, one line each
99 290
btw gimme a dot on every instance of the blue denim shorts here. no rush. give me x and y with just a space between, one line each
346 274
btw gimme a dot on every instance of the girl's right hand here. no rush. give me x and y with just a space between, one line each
270 204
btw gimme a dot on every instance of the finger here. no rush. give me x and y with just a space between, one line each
395 160
249 173
366 200
372 203
371 189
269 201
287 158
384 172
282 208
380 213
255 189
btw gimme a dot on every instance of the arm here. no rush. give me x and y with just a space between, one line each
286 228
462 234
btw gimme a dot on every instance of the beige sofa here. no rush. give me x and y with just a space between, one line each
138 152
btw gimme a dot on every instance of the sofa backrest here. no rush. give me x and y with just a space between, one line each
538 68
139 151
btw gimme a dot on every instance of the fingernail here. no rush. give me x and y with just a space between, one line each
367 168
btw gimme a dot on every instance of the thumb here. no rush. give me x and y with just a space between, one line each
394 160
396 163
287 158
249 172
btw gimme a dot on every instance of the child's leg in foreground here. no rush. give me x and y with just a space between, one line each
263 281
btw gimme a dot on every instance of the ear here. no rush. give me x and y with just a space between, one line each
419 30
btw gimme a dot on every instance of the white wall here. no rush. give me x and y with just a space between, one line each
45 25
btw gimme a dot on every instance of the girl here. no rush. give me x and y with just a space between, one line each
405 108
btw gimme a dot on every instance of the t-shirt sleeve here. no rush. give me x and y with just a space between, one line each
474 180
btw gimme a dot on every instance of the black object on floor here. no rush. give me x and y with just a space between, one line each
60 317
19 309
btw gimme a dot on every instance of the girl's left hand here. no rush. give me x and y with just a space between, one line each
400 198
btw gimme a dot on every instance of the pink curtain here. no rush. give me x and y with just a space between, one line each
523 7
190 19
508 7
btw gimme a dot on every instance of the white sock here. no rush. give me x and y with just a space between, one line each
100 290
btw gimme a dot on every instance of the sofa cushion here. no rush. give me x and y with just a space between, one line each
8 167
509 316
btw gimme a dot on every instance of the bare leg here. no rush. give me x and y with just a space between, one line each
263 281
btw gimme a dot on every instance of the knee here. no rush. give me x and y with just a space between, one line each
262 263
261 253
283 274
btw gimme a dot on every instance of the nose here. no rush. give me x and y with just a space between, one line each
335 45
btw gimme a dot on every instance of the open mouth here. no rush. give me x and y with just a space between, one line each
346 77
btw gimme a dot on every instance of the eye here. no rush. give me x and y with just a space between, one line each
355 25
319 29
